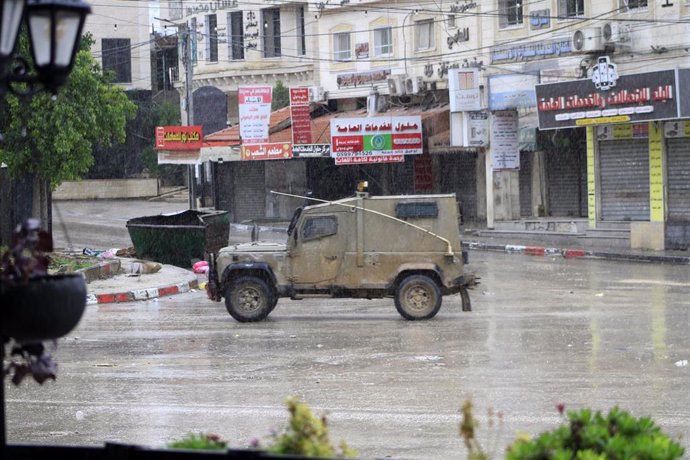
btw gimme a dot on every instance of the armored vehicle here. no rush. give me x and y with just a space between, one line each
406 247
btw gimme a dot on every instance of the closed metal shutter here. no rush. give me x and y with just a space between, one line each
624 169
566 181
678 174
402 177
525 178
459 176
249 190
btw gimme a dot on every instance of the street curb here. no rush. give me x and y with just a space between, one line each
569 253
104 269
142 294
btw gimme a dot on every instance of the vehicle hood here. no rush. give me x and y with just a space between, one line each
256 246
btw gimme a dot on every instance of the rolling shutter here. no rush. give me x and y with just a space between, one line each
678 175
525 178
249 190
624 169
459 176
566 181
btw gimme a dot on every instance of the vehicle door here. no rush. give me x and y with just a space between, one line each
317 252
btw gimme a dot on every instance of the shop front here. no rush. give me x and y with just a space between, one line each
401 164
637 149
677 143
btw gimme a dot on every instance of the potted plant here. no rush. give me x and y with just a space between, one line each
36 306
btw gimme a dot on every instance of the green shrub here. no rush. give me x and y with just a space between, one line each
306 435
201 441
590 436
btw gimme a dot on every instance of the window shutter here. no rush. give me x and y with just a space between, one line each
502 13
562 9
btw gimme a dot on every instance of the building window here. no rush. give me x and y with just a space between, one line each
571 8
424 34
510 13
211 38
117 58
236 41
450 20
301 35
342 50
383 42
627 5
271 31
175 9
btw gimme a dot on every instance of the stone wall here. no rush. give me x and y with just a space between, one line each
106 189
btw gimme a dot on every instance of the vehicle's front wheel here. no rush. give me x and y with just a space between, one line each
249 299
418 297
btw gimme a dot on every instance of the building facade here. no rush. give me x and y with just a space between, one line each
373 58
122 43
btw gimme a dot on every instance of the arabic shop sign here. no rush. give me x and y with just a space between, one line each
361 78
531 51
540 19
369 160
255 113
267 151
463 7
209 7
639 97
512 91
178 137
376 136
300 114
311 150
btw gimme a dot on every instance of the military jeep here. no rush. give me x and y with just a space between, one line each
405 247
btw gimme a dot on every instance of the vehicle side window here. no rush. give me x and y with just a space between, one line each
319 227
416 209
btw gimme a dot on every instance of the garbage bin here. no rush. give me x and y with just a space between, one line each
179 238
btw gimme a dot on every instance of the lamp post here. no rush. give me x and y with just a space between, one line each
54 31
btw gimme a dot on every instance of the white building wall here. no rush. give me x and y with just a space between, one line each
124 19
454 38
292 67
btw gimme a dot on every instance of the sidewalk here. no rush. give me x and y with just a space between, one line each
112 281
530 245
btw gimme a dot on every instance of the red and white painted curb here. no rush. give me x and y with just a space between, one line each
527 250
568 253
142 294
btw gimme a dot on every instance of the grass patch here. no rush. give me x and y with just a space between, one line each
68 263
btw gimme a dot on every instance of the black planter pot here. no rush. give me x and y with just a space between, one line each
47 308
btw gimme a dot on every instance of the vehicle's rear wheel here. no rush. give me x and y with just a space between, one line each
418 297
274 303
249 298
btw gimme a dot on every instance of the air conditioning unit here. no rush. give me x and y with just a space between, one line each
414 85
396 85
316 94
614 33
376 103
587 40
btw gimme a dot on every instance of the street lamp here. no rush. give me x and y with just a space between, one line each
54 31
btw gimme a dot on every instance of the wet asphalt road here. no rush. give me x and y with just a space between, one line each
543 331
102 224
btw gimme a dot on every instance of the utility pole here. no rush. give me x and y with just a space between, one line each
186 35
